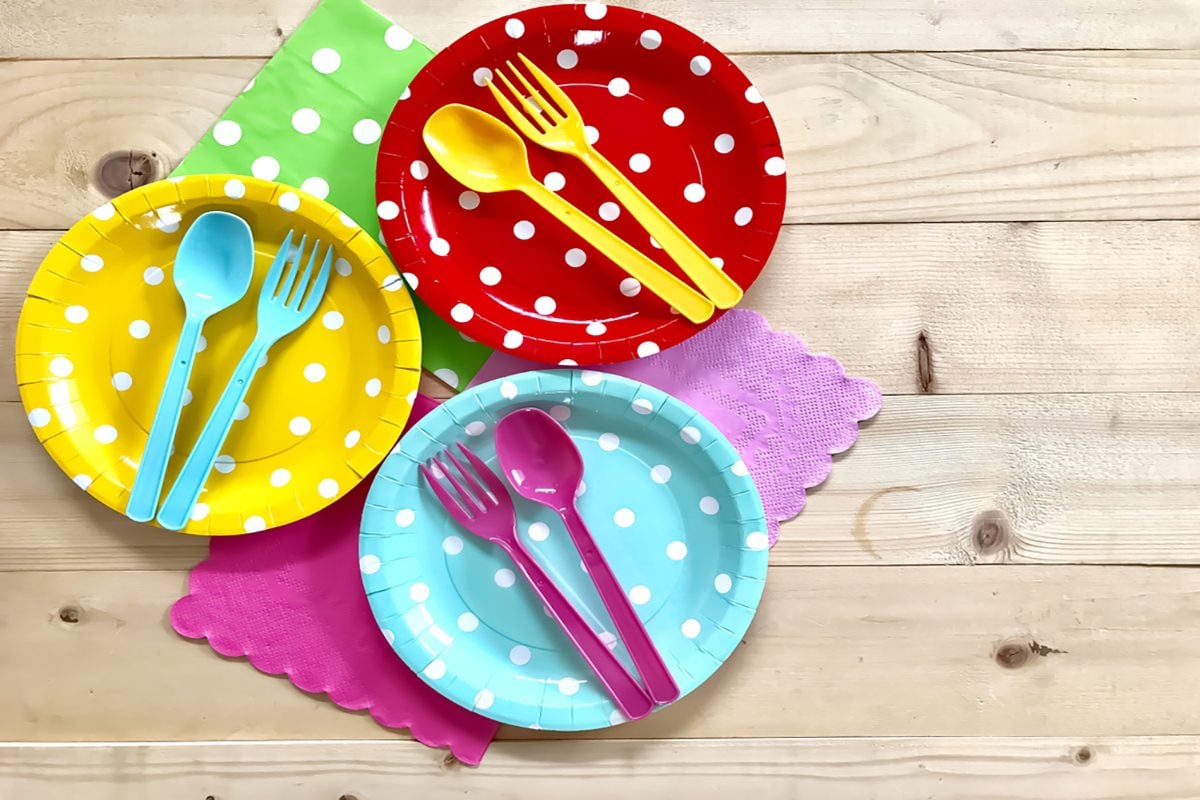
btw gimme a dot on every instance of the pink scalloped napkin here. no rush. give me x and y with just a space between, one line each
786 410
307 573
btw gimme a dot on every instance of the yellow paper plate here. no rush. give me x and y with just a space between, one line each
99 326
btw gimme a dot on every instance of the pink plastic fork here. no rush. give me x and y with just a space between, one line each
489 514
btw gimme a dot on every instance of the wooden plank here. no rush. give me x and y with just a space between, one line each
1044 307
32 29
869 138
850 651
1030 768
1073 479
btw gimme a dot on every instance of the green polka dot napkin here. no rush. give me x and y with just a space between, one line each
313 118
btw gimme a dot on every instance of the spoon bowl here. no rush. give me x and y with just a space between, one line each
477 149
539 457
214 263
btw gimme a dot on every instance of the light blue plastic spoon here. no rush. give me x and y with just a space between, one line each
213 268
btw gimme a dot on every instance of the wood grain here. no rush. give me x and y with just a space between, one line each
868 137
1075 479
1027 768
849 651
35 29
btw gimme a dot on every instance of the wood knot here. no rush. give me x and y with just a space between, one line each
449 761
122 170
1013 655
924 364
1082 756
990 533
70 614
348 797
209 797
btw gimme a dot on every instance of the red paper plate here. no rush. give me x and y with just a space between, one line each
669 109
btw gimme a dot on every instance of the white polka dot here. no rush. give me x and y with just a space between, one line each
722 583
327 488
523 230
639 162
513 339
567 59
646 349
407 93
435 670
609 442
300 426
39 417
514 28
582 489
504 577
342 267
591 377
411 280
105 434
467 622
575 257
280 477
660 473
484 699
314 372
719 263
168 220
405 517
617 718
369 564
242 412
554 181
618 87
367 131
520 655
153 276
235 189
609 211
624 517
568 686
673 116
775 166
91 263
539 531
709 505
199 512
481 76
351 438
316 186
419 169
201 344
752 94
104 212
227 132
387 634
121 381
630 287
561 413
756 540
545 305
388 210
397 38
61 367
447 376
488 276
333 320
739 468
591 133
139 329
373 387
690 434
568 362
743 216
461 312
475 428
693 192
639 595
690 628
642 405
224 464
83 481
508 390
326 60
248 86
596 328
595 10
700 65
289 201
723 143
254 524
677 550
468 200
265 167
650 39
439 246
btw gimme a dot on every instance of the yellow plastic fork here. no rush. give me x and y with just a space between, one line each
561 129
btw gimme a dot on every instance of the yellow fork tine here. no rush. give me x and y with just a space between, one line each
531 110
552 88
514 114
553 113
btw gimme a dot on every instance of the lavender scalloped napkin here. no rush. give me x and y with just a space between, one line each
786 410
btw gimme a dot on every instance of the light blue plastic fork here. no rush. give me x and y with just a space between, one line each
280 311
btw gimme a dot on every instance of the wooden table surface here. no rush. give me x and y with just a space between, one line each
993 214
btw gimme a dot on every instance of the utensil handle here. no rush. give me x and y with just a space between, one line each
152 469
720 288
686 300
625 691
660 685
177 508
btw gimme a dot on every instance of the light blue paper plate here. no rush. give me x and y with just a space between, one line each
668 500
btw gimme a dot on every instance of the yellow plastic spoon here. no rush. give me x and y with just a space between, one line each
484 154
